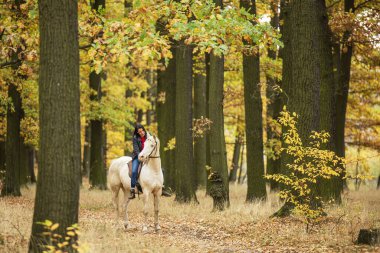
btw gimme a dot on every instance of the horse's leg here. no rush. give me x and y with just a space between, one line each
146 200
126 202
156 203
115 198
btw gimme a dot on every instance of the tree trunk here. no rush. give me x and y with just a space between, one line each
140 113
235 157
218 156
273 102
97 170
208 147
2 155
301 69
328 189
200 143
57 195
24 163
241 165
86 151
343 88
149 111
13 145
254 120
184 161
128 131
166 90
31 154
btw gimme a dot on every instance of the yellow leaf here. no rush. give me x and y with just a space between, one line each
54 227
71 233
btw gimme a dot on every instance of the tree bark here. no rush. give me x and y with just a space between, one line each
273 101
128 131
184 160
166 87
31 154
301 70
86 151
98 171
218 156
98 178
200 143
149 111
235 157
253 120
57 195
329 189
343 88
2 155
13 145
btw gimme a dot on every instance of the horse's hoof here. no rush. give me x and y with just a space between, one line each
157 228
127 226
145 229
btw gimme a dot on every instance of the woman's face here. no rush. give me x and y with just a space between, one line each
141 132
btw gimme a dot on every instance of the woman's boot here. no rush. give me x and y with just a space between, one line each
132 195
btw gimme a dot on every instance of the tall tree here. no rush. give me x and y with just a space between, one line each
98 173
15 149
149 75
273 99
128 131
13 145
253 119
236 156
165 109
217 152
327 188
217 144
2 154
307 71
199 112
31 156
86 151
343 65
184 161
57 195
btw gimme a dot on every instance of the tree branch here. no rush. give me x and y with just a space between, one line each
362 4
333 4
6 64
85 46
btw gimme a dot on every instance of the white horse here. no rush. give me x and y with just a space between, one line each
151 179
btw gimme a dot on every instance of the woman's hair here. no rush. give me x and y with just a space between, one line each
137 127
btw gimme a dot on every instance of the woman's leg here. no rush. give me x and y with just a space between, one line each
135 167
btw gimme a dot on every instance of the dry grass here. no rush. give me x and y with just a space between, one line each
193 228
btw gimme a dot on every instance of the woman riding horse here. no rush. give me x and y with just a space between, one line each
139 137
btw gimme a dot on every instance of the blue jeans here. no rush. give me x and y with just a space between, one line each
135 167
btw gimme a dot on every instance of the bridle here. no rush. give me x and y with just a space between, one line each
155 147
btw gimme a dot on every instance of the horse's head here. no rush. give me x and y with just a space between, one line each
151 148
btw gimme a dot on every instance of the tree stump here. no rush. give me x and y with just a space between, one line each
217 191
369 236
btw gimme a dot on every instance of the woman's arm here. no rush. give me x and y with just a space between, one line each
136 149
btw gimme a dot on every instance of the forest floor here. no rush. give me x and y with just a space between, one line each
194 228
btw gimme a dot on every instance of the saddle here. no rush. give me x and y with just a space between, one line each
138 175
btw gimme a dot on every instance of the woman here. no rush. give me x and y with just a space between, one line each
139 137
